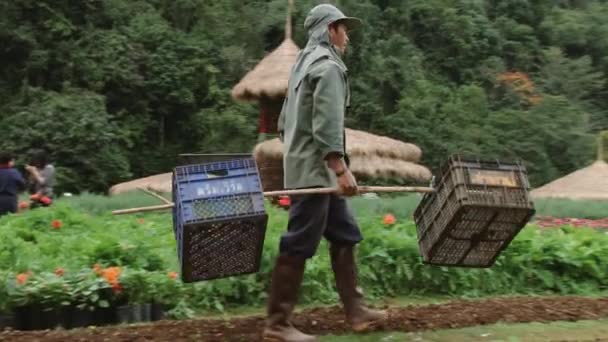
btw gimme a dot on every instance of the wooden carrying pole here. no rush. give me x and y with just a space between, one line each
362 190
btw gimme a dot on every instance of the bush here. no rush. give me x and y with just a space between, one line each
83 143
140 251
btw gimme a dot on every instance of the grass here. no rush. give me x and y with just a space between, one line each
98 204
402 207
571 208
529 332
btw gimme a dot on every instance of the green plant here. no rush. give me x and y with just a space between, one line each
23 290
89 291
136 286
53 290
4 299
165 288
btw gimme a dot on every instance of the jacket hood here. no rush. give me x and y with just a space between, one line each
318 47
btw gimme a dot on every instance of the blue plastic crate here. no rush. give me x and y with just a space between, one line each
219 221
219 190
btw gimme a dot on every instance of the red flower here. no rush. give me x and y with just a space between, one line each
22 278
284 202
56 224
59 271
116 288
389 219
23 205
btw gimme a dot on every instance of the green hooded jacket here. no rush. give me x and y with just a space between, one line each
312 119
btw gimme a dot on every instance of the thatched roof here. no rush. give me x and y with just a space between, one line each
371 167
590 183
375 167
158 183
371 156
358 143
269 78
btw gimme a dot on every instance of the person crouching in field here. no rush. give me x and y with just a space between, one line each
11 183
41 179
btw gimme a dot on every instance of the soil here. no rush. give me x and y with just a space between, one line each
323 321
551 222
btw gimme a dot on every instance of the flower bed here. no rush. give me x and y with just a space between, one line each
548 221
72 268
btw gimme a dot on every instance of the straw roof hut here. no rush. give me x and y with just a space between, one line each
267 82
590 183
371 156
358 144
270 77
158 183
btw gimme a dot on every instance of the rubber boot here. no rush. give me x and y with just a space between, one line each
286 281
359 316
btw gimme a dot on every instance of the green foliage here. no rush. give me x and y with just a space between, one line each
157 75
562 260
69 126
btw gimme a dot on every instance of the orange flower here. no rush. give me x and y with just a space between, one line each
59 271
56 224
111 275
141 221
22 278
172 275
23 205
389 219
97 268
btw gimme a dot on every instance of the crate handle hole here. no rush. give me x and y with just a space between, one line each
218 173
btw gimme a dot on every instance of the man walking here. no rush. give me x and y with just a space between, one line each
312 130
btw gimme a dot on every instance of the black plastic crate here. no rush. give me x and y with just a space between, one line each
476 211
221 249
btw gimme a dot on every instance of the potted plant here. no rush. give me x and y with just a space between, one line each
23 296
91 297
136 290
165 289
55 298
6 315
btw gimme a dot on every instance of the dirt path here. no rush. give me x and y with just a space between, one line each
330 320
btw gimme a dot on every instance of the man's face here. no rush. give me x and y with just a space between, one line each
338 36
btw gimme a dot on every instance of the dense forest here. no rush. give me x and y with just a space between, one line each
115 89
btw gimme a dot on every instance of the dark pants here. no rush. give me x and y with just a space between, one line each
312 217
8 204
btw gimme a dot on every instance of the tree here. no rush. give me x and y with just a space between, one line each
81 138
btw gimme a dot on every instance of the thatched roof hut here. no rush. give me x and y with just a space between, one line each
270 77
358 143
372 157
590 183
158 183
